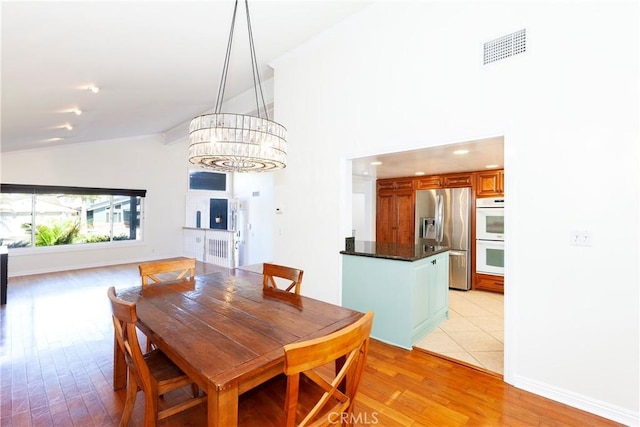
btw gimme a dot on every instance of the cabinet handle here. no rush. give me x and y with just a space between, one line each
433 262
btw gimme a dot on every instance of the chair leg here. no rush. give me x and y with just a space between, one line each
150 409
195 390
132 392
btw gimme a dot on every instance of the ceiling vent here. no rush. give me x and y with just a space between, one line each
505 46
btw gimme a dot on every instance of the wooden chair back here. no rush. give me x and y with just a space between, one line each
124 323
167 270
271 271
347 348
153 373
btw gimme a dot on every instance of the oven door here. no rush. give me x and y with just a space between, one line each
490 223
490 257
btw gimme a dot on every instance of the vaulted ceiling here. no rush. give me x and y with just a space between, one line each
157 64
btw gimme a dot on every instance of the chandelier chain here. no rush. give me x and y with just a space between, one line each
257 83
225 67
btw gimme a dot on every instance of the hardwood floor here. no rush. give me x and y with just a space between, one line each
56 348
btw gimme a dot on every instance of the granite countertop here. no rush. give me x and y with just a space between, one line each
394 250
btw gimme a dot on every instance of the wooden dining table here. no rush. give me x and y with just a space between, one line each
226 332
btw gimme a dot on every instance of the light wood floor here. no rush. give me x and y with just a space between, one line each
56 346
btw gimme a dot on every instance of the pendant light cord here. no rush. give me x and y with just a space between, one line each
225 67
254 66
257 83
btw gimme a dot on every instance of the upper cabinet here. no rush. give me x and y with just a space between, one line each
457 180
428 182
452 180
490 183
393 185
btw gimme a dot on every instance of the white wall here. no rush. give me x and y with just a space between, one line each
405 75
138 163
256 191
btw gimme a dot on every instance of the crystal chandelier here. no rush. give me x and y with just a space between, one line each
229 142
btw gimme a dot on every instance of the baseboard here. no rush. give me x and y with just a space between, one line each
597 407
96 264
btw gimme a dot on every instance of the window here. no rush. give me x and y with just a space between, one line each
36 215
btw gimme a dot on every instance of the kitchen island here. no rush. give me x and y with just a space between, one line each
407 287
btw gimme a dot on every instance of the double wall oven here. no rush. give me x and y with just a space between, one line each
490 236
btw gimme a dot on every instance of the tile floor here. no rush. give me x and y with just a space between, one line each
474 332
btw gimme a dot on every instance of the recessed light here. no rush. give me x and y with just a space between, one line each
376 163
419 173
90 87
459 152
52 139
74 110
66 126
492 166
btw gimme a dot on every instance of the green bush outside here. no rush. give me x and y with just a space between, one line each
63 233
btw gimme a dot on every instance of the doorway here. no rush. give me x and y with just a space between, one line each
474 332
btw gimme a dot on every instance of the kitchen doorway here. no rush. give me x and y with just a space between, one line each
474 332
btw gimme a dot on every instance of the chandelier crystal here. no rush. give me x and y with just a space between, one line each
230 142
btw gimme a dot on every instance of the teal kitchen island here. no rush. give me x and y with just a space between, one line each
406 286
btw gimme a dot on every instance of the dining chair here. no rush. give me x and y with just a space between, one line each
153 372
272 271
167 270
156 272
320 382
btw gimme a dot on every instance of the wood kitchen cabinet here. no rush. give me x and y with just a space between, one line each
490 183
428 182
457 180
452 180
395 206
487 282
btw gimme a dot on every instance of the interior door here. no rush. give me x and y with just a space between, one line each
385 217
406 215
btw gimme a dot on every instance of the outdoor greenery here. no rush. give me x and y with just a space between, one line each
63 233
20 244
102 238
58 233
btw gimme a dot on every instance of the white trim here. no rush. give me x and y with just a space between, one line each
579 401
97 264
74 247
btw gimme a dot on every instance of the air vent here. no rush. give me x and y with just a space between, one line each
506 46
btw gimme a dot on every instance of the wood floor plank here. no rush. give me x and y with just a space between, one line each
56 369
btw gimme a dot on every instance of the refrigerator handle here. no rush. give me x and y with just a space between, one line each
439 218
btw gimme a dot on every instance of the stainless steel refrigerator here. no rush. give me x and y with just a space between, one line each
443 218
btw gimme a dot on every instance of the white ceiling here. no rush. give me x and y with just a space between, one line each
432 161
157 63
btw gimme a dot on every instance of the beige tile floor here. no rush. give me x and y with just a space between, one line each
474 332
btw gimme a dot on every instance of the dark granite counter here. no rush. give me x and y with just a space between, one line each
394 251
